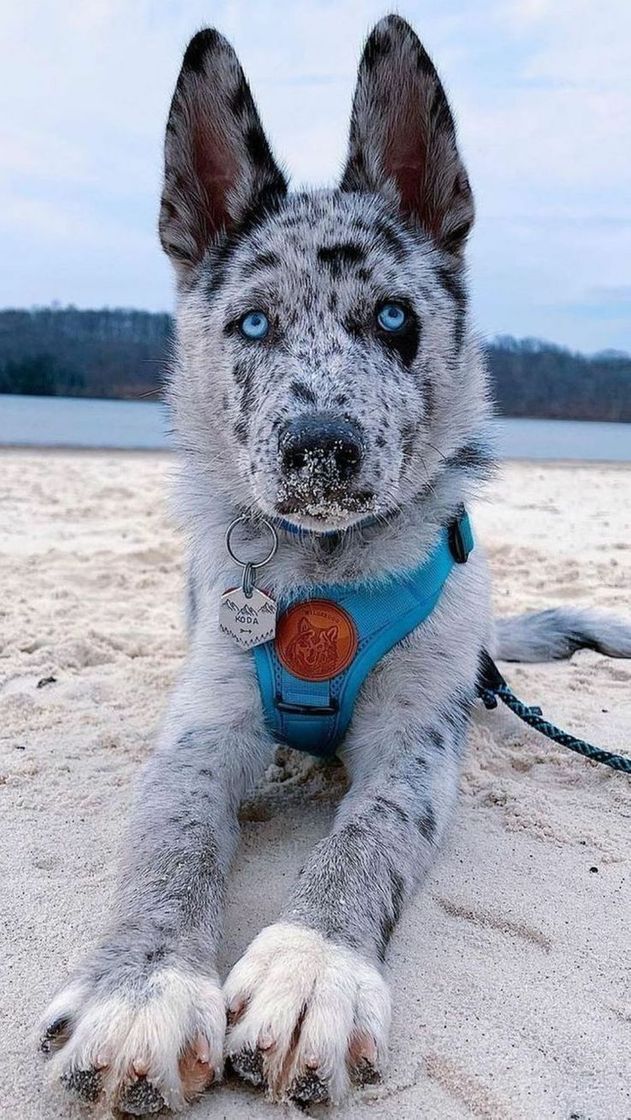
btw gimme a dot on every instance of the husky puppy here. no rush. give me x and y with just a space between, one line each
326 379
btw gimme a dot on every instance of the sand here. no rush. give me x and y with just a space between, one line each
510 971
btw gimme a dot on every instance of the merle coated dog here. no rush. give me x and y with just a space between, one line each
327 380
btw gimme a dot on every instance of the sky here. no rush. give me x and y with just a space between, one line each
540 89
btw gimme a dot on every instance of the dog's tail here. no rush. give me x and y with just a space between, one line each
554 634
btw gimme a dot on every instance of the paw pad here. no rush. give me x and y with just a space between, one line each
309 1088
86 1083
55 1035
364 1073
141 1098
248 1064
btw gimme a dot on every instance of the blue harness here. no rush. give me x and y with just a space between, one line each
313 715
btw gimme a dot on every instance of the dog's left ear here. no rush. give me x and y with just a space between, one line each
217 162
403 135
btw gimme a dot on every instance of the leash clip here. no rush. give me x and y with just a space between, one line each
460 537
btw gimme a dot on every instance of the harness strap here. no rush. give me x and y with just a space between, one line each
492 687
313 715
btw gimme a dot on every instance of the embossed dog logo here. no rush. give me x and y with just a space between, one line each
314 649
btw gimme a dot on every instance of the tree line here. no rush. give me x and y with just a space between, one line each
125 354
65 352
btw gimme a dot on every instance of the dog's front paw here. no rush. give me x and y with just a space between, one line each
306 1016
137 1040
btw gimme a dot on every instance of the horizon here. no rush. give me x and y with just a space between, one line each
539 90
496 338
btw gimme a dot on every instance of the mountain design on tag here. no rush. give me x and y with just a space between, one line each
249 619
267 608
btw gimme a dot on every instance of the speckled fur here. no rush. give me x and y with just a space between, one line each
143 1019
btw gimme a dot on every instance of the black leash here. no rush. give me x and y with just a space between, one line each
492 687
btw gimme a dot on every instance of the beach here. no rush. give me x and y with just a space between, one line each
509 972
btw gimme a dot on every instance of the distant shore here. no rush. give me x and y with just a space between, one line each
125 353
31 421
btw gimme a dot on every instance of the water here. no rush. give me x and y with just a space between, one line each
79 422
564 439
75 422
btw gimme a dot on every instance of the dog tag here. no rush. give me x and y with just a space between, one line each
245 613
250 620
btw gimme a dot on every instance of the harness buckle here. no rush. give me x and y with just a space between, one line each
330 709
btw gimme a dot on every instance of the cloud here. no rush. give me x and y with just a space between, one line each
604 303
540 88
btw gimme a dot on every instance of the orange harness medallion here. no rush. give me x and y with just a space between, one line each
316 640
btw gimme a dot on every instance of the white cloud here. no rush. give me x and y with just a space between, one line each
540 88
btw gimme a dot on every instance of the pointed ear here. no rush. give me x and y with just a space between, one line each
403 135
218 164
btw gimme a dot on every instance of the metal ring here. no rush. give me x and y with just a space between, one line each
243 563
248 580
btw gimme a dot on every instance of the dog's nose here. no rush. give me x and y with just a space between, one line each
322 442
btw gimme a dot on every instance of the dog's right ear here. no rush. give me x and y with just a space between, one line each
218 163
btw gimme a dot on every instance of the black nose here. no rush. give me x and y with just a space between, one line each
324 443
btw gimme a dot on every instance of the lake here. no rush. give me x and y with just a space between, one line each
79 422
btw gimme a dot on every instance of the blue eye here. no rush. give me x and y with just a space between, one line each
391 316
254 325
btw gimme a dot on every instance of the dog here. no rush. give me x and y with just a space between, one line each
326 383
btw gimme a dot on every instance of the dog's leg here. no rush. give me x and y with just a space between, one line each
141 1023
310 1009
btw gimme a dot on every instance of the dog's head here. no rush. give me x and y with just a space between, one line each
325 370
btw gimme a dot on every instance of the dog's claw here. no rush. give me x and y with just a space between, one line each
235 1011
362 1058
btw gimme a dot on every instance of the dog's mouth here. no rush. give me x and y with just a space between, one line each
324 512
